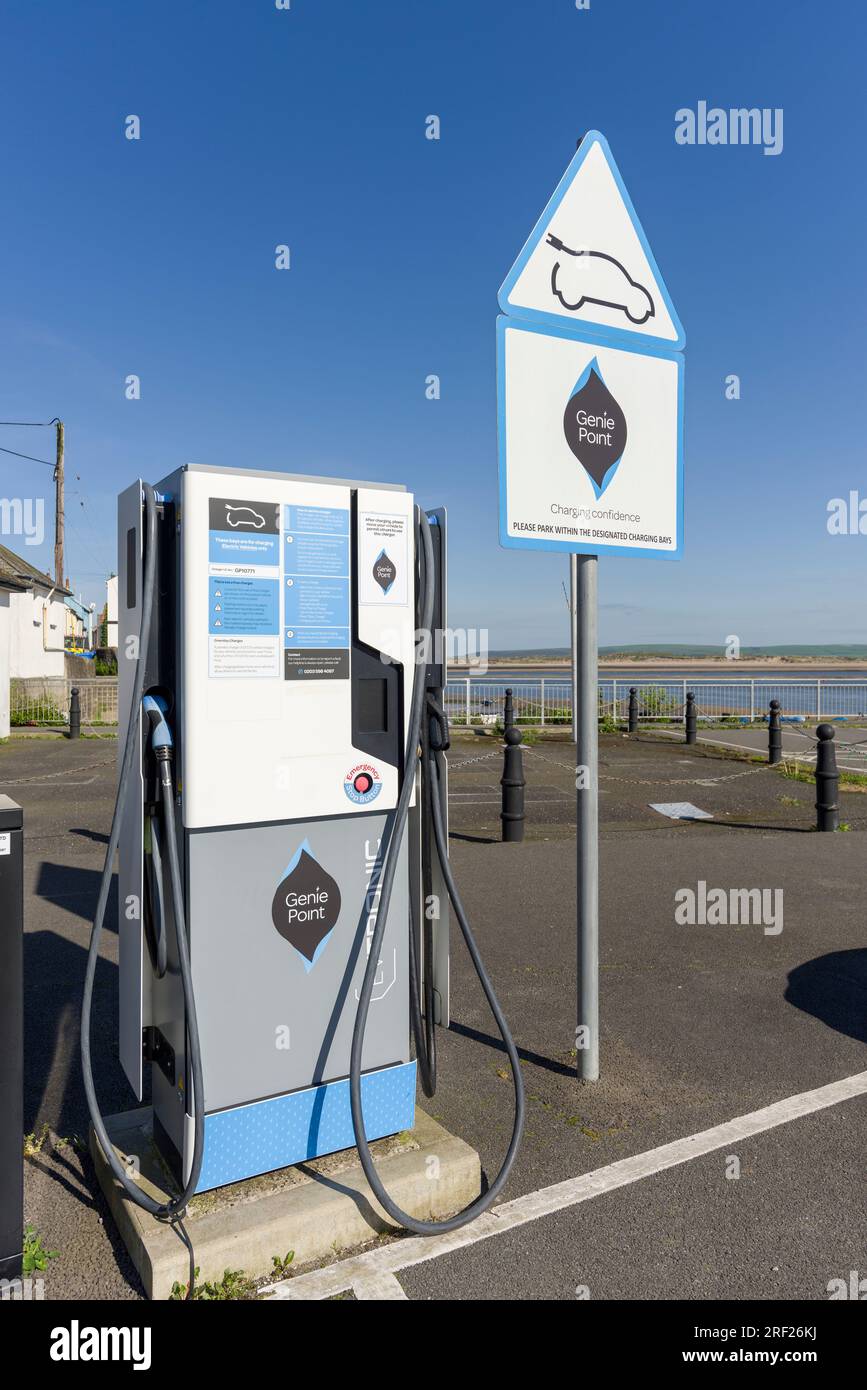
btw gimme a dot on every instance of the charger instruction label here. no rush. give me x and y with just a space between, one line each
316 619
243 588
278 590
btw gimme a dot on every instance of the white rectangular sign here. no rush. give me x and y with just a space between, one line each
591 444
383 557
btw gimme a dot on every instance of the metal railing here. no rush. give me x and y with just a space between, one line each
43 701
543 701
548 700
536 701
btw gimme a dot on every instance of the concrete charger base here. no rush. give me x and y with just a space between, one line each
318 1209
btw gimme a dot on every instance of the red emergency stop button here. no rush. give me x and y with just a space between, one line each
362 783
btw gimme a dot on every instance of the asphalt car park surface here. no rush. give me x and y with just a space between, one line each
759 1221
634 772
798 743
700 1024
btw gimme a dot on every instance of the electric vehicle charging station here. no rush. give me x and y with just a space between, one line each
280 824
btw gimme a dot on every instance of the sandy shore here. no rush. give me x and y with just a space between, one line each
685 663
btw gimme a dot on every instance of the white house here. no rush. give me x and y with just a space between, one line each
33 621
79 623
4 662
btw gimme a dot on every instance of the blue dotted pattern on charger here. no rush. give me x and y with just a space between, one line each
273 1133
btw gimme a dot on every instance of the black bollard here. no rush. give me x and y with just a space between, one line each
827 779
633 710
512 783
509 711
775 734
690 718
74 713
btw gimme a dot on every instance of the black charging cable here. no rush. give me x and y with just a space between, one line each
174 1210
433 806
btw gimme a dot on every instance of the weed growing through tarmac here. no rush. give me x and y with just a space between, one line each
34 1257
853 781
234 1286
34 1145
281 1264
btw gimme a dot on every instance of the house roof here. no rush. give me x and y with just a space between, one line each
16 573
78 607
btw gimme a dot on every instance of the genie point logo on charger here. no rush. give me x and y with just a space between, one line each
590 378
306 905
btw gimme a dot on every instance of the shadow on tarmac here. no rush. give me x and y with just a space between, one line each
95 835
755 825
53 980
536 1058
833 988
75 890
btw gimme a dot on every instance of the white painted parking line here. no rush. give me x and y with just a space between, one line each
760 746
791 753
360 1270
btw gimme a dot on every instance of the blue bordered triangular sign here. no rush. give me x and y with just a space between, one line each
588 263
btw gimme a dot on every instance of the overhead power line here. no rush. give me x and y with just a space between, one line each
58 480
15 454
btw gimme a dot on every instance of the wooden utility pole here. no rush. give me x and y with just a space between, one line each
58 507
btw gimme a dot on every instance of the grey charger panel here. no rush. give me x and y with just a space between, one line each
276 1014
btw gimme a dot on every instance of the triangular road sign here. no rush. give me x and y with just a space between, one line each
587 261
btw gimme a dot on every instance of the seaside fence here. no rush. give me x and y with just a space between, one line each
547 701
544 701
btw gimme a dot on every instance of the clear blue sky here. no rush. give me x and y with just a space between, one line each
262 126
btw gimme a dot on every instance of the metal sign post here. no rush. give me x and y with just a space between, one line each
573 640
590 414
587 812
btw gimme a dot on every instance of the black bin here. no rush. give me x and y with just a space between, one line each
11 1037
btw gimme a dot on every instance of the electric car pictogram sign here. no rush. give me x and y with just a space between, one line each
587 263
589 378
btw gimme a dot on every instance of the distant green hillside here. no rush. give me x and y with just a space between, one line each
840 651
854 651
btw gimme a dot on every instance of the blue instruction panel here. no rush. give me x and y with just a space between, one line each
313 602
316 620
322 521
243 607
317 555
243 588
232 547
